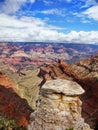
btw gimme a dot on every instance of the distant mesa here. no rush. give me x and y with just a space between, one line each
20 54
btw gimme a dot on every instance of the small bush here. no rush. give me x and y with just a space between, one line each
6 124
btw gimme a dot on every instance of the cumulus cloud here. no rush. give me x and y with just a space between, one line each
12 6
83 37
92 12
33 29
88 15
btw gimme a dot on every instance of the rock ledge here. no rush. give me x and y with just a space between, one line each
66 87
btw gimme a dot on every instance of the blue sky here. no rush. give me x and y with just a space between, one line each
68 21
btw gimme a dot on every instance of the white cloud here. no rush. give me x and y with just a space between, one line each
12 6
55 11
89 3
47 2
88 14
33 29
92 12
83 37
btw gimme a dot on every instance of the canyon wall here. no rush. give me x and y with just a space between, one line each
84 73
12 105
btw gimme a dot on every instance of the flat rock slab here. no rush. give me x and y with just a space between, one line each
66 87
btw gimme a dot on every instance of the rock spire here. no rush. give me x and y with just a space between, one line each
59 107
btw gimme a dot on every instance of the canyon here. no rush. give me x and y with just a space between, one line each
26 67
18 55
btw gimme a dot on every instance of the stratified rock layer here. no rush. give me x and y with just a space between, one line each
58 107
84 73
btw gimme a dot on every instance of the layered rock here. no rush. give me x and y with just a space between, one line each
86 74
58 107
12 105
38 54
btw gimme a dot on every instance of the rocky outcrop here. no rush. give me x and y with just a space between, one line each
59 107
84 73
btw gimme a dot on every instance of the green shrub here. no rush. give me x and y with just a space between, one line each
6 124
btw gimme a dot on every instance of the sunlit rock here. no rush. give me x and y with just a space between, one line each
58 107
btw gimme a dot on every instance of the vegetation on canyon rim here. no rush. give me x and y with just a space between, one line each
6 124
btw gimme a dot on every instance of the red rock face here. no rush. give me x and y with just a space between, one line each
86 74
11 104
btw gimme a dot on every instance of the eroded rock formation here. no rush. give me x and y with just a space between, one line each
84 73
59 107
